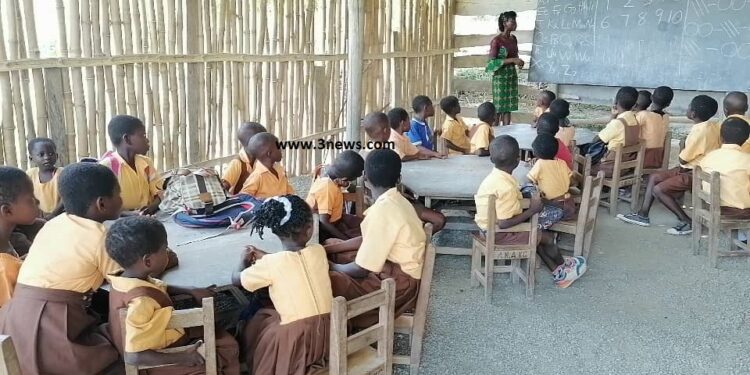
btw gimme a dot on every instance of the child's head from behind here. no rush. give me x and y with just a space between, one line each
487 112
735 131
560 108
288 216
43 153
504 152
702 108
347 167
626 98
545 98
450 105
383 168
377 126
735 103
128 133
247 130
545 146
265 147
17 202
422 106
398 119
138 244
91 191
662 96
548 123
644 101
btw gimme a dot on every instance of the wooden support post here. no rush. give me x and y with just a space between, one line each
195 70
56 111
354 71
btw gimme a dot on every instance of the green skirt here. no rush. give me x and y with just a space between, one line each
504 84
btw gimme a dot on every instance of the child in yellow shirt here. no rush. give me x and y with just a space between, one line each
139 245
543 101
454 131
735 105
398 119
240 168
268 178
622 130
552 178
654 123
483 135
43 154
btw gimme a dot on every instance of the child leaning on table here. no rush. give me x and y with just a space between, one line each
505 155
139 245
455 132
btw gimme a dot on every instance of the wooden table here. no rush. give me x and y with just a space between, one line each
525 134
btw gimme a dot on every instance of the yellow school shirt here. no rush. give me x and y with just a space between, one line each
456 131
9 267
481 137
392 231
325 197
508 197
234 170
401 145
653 128
614 133
297 282
566 134
552 177
68 254
46 192
263 184
137 187
702 139
746 146
146 322
734 166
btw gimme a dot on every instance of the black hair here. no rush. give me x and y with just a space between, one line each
548 123
248 129
131 238
662 97
626 97
259 142
420 102
449 104
374 121
504 151
545 146
704 107
396 116
40 140
122 125
486 111
549 96
504 17
735 131
643 101
80 184
349 164
272 212
383 168
735 103
13 183
560 108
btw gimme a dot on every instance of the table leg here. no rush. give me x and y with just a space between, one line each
428 202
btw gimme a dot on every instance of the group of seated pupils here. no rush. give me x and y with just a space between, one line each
57 252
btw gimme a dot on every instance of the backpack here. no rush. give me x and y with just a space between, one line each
194 191
235 211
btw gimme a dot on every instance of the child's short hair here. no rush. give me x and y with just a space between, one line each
131 238
545 146
420 102
704 107
449 104
396 116
560 108
286 215
626 97
504 151
374 121
13 183
547 96
80 184
260 141
735 103
349 165
548 123
735 131
663 96
40 140
504 17
486 111
122 125
383 168
247 130
644 100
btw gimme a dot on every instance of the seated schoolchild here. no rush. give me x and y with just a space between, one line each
622 130
240 168
268 178
455 132
552 179
420 133
483 135
549 124
561 109
735 105
43 154
543 101
654 123
398 119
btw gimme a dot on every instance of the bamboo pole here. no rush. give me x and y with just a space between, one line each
127 20
116 25
28 105
6 106
181 79
79 101
70 130
13 49
354 70
37 74
101 105
164 90
89 74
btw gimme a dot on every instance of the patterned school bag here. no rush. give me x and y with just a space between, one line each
234 213
193 191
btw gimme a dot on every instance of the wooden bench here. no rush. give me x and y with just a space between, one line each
584 225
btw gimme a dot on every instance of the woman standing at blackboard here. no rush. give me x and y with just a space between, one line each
503 62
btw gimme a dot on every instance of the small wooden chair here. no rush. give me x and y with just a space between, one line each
487 248
665 160
358 199
198 317
707 212
583 227
581 170
625 173
8 357
354 354
412 323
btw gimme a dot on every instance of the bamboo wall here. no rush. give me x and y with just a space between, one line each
194 69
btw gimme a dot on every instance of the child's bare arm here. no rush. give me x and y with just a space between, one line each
325 223
410 157
453 147
249 256
351 269
341 247
429 153
535 207
482 152
190 357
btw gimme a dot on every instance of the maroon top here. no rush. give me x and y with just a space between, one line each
500 41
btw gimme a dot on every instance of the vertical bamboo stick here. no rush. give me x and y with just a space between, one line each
38 78
74 23
127 26
13 49
28 105
354 70
6 106
70 130
89 73
181 81
164 93
116 25
101 105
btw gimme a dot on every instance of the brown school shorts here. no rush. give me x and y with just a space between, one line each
674 182
735 213
507 238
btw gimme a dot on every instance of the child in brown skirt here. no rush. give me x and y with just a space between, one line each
552 178
293 336
139 245
49 319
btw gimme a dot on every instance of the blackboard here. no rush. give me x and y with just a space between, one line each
685 44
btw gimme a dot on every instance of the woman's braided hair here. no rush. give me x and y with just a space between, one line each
272 212
505 17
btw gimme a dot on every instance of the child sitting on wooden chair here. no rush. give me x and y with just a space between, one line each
241 167
398 119
268 178
482 132
735 105
543 101
455 132
552 179
561 109
654 123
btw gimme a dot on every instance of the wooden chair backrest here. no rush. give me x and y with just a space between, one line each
342 344
637 163
9 359
592 192
581 168
573 147
667 150
425 283
197 317
529 226
707 202
358 198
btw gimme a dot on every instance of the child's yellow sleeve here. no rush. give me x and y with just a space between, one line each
289 188
146 326
481 138
233 172
251 185
259 275
155 181
534 173
613 129
378 236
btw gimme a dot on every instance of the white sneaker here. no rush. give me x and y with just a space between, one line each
681 229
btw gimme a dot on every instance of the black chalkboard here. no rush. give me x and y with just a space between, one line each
686 44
